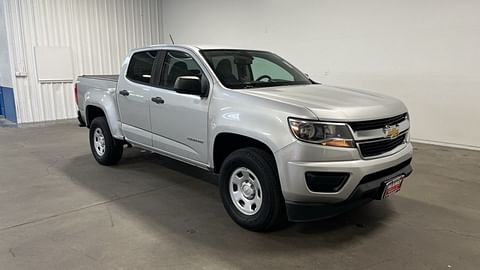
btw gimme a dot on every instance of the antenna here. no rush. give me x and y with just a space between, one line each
173 42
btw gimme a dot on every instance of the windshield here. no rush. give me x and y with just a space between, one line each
240 69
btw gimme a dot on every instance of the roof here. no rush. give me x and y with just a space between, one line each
200 47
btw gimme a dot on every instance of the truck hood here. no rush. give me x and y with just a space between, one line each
334 103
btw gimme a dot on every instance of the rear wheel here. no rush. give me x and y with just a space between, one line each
250 190
106 149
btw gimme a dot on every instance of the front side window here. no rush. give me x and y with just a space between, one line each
239 69
140 68
177 64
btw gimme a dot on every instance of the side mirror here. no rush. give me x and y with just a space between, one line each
190 85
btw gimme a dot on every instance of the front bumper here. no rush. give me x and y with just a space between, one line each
295 160
363 193
298 158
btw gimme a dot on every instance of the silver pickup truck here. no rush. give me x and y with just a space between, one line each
285 147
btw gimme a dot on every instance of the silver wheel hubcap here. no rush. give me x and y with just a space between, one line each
99 141
245 191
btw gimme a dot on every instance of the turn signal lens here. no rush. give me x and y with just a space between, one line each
339 143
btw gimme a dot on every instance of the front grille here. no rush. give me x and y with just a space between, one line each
375 148
376 124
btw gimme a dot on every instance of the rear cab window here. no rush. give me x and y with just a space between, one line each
141 67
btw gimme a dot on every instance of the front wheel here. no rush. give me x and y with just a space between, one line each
250 190
106 149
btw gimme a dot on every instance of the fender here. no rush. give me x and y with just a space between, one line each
108 105
232 112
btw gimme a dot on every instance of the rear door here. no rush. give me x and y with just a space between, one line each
134 92
179 121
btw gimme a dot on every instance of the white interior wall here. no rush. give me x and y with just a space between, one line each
424 52
99 32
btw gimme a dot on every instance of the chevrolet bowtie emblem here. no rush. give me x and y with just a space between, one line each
391 131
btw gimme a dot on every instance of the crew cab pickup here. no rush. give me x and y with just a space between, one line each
285 147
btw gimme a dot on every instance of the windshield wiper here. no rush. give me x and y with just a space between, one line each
252 84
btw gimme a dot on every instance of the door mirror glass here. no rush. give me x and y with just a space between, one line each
188 85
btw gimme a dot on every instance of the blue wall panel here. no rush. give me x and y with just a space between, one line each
8 109
2 107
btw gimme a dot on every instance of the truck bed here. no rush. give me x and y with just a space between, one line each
96 87
113 78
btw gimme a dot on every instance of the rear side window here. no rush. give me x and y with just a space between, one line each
140 68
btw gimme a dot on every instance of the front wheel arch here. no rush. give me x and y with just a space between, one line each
226 143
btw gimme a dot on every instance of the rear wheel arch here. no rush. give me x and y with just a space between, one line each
92 112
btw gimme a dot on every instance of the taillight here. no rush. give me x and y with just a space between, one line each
75 89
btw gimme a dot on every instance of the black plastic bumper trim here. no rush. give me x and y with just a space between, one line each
326 181
305 212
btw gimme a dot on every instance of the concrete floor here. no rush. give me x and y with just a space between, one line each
59 209
5 123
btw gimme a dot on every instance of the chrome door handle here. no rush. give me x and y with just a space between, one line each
124 93
158 100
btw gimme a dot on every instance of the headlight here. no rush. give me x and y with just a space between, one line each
329 134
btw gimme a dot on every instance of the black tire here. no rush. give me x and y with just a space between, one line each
113 147
271 214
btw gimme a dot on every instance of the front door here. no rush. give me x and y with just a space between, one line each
179 121
133 96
